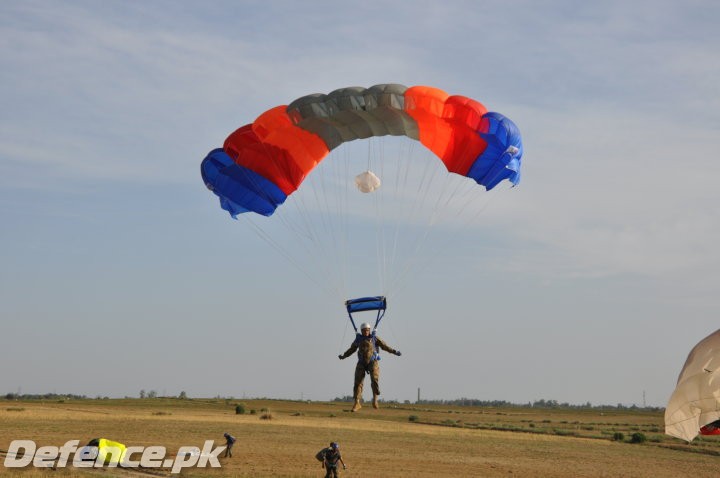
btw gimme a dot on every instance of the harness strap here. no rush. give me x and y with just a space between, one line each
376 351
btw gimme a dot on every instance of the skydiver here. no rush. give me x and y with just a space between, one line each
367 345
330 457
229 442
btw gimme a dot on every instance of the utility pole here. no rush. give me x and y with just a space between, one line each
418 400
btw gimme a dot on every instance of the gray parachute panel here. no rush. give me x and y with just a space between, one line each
353 113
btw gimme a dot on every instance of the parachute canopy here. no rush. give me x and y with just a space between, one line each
695 402
261 163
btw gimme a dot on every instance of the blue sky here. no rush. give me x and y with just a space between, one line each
590 281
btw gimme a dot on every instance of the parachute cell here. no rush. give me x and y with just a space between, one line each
262 163
365 304
240 189
695 402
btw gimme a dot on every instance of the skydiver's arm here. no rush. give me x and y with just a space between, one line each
350 351
385 346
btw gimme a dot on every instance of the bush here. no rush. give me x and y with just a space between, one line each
266 416
239 409
618 436
413 418
638 437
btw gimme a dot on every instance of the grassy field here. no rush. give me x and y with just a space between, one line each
395 441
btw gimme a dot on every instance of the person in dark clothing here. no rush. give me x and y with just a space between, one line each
229 442
330 457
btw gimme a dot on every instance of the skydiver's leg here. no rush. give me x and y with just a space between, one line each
375 383
375 378
358 387
359 379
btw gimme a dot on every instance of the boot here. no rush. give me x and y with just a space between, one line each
375 402
357 405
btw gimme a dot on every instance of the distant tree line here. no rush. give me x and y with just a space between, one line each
71 396
44 396
542 403
458 402
545 404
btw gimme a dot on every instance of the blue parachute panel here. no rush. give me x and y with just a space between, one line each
363 304
239 189
366 303
502 157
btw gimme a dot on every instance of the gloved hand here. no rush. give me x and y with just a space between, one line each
340 357
397 352
344 467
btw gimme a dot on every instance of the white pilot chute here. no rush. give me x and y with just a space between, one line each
367 182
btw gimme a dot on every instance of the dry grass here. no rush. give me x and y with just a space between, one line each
445 441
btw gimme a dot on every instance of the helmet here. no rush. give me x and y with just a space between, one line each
365 325
334 446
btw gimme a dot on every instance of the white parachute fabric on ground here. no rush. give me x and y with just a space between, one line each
696 399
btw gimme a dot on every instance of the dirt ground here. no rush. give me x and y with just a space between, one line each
374 443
